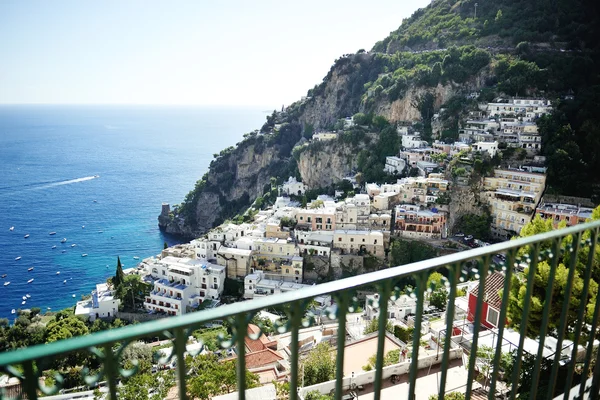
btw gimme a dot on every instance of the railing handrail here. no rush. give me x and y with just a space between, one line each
155 327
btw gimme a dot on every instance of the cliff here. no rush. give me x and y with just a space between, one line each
511 47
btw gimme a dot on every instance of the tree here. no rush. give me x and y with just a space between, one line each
439 299
146 386
65 328
449 396
316 395
119 275
435 281
390 358
518 289
138 352
319 365
404 334
374 326
165 245
209 377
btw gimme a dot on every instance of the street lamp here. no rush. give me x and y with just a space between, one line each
476 4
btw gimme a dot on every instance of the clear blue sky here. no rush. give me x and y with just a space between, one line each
182 52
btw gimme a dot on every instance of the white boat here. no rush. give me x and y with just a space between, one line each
29 281
82 226
24 297
12 228
18 258
96 176
57 272
53 247
26 236
30 269
6 283
136 258
65 281
3 276
73 295
95 201
64 251
12 311
64 240
84 255
23 302
52 233
73 245
28 295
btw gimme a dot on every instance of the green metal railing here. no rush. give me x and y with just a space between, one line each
556 247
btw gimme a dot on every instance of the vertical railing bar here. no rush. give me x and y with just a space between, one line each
179 348
295 321
414 365
510 261
453 280
590 347
384 296
111 369
342 310
545 318
595 389
31 381
241 332
579 323
533 262
563 315
483 272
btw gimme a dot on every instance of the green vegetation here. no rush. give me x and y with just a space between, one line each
409 251
517 293
207 377
373 326
319 365
476 225
390 358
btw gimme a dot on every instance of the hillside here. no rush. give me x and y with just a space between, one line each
436 58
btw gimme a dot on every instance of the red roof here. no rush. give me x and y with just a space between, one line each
259 344
493 285
262 358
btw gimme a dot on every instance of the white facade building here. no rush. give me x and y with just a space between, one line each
103 304
412 141
397 309
490 147
394 165
180 283
293 187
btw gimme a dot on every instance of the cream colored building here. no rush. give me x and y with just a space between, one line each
357 242
317 219
237 261
278 257
512 196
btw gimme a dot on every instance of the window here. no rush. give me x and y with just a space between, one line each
375 241
492 316
352 239
287 270
339 239
363 240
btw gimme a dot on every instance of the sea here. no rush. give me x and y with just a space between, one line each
96 176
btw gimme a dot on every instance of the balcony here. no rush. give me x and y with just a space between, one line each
551 372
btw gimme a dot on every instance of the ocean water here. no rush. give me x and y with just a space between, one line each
49 159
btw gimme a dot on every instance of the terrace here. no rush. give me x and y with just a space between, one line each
408 381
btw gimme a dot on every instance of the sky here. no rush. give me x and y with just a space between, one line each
184 52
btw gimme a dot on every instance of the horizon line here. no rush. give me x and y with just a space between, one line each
143 105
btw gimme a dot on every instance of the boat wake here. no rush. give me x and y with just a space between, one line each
49 184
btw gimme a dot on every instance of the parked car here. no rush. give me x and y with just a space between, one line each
459 234
470 237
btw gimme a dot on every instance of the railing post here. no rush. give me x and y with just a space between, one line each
483 273
533 262
564 314
555 252
384 296
414 365
295 322
583 300
31 380
179 347
509 265
111 369
454 272
241 330
342 309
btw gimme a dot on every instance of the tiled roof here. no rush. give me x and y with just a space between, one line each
262 358
493 285
259 344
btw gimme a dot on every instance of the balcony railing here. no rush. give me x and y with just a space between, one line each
559 250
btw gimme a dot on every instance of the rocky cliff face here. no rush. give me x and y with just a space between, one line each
328 165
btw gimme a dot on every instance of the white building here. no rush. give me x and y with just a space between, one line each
314 243
293 187
322 136
397 309
490 147
180 283
206 249
355 242
103 304
394 165
412 141
257 285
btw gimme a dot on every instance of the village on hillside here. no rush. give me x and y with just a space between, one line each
297 242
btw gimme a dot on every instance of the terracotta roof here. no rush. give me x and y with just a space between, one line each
262 358
259 344
493 285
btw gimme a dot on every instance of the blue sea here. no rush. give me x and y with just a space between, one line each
96 175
